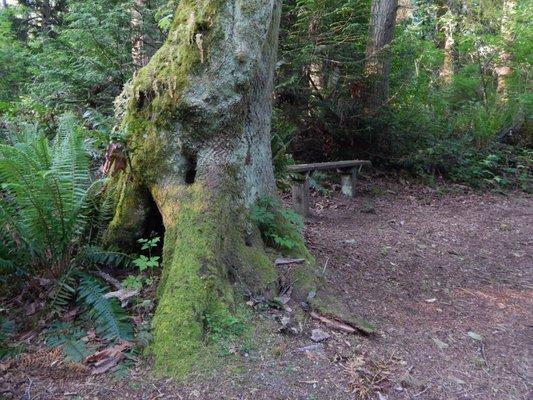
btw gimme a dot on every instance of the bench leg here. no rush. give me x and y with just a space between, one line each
348 180
300 197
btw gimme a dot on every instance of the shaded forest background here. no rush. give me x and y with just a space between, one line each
442 111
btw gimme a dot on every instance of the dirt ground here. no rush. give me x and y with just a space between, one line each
446 275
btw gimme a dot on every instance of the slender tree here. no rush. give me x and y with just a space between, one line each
504 69
140 35
448 27
378 63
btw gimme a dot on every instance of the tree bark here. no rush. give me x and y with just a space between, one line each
405 10
504 69
197 124
446 72
197 121
139 54
378 64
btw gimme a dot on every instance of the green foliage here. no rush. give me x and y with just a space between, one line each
424 117
223 326
147 262
14 70
7 328
318 182
144 263
279 227
45 207
69 339
110 320
63 293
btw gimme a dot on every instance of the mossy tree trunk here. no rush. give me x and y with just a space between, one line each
197 124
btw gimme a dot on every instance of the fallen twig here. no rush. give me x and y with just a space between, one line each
109 279
334 324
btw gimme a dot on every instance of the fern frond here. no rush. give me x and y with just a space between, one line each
46 189
111 321
63 293
68 338
96 255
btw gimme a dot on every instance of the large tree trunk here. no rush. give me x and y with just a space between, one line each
198 131
378 63
197 124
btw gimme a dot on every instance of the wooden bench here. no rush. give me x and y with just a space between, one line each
348 171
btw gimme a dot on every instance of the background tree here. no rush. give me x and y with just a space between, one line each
378 62
504 70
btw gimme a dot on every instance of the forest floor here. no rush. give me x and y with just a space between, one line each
445 274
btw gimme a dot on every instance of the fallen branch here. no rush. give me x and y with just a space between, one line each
333 324
123 294
109 279
289 261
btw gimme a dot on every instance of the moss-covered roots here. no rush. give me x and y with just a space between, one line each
204 251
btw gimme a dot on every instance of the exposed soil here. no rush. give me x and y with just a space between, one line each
446 275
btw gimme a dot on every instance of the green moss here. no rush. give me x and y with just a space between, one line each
191 284
204 244
156 92
257 271
129 206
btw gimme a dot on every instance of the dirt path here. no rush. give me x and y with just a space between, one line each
447 278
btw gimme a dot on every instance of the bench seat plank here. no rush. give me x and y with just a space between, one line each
327 165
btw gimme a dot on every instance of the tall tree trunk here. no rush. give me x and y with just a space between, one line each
378 64
504 70
448 27
138 51
198 133
405 10
197 124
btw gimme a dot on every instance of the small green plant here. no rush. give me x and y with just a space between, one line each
318 182
279 227
144 262
147 262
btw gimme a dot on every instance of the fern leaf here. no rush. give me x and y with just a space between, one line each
111 321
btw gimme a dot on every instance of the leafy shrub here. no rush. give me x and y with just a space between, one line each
497 167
